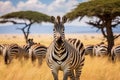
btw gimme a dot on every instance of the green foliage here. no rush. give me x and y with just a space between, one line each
29 15
98 8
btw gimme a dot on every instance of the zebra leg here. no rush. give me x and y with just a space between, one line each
10 59
6 59
40 59
33 58
26 57
20 59
72 76
78 73
113 58
55 74
66 74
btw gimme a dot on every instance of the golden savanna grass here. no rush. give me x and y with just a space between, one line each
94 69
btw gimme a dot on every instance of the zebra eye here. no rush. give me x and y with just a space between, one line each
53 29
63 29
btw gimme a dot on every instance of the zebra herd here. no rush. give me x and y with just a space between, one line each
11 51
67 55
100 50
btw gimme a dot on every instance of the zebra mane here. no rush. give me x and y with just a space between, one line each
58 19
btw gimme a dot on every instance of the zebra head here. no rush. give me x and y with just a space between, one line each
58 29
30 42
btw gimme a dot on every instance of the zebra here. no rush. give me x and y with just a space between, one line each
115 53
65 55
26 48
89 50
100 50
1 49
37 51
11 51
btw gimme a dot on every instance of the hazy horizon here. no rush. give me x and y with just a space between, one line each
42 29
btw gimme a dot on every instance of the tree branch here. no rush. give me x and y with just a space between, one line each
81 18
98 24
114 25
116 22
103 32
28 29
116 36
14 22
23 30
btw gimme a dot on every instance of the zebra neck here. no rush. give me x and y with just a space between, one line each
59 44
60 54
59 50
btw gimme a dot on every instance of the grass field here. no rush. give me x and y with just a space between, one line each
94 69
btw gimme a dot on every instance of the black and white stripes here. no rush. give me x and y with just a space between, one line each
26 48
38 52
100 50
115 53
31 51
89 50
65 55
11 51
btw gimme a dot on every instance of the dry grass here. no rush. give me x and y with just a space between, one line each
94 69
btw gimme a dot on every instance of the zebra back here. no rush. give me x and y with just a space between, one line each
26 48
89 50
78 45
37 51
100 50
11 51
115 52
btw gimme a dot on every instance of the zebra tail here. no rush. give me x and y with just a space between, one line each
113 57
32 57
6 58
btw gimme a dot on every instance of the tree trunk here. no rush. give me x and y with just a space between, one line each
110 37
26 37
28 31
26 34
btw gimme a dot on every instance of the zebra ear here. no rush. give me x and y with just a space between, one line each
31 39
28 40
52 19
64 19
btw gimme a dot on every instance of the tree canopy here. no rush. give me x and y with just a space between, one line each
107 13
98 8
32 16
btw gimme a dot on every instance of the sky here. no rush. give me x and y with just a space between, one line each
50 7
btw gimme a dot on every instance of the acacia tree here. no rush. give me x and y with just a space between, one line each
107 14
29 18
